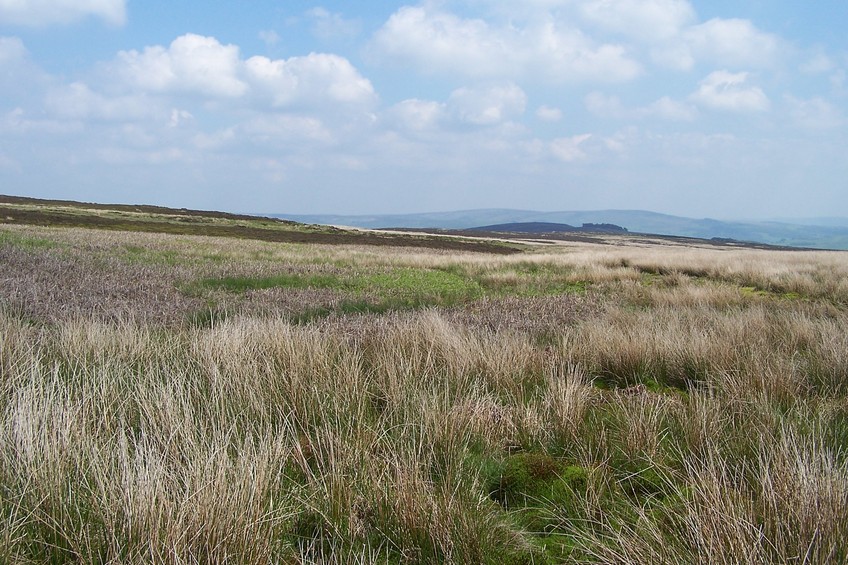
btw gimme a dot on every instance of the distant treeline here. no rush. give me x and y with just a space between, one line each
604 227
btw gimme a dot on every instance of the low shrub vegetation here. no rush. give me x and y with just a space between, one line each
260 402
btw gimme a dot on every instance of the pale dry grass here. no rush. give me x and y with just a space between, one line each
707 422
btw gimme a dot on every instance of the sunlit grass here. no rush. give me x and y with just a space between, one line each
352 405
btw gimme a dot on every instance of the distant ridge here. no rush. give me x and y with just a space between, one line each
549 227
833 235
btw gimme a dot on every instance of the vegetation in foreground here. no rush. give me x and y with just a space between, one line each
179 399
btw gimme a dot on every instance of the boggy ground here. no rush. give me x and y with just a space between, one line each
178 399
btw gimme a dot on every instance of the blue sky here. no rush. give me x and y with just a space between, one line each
726 109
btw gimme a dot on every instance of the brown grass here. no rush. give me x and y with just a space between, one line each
683 416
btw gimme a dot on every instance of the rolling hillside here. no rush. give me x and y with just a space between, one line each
830 233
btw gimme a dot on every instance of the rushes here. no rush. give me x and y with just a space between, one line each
664 415
259 440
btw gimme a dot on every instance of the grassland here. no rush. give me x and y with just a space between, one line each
157 219
174 398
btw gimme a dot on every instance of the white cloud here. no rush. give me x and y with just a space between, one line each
39 13
331 26
440 42
22 82
179 117
723 90
649 20
548 114
669 109
131 156
569 149
417 115
665 108
214 140
202 65
733 43
192 63
12 50
77 101
283 129
18 122
815 113
314 78
818 63
269 37
675 55
487 106
604 106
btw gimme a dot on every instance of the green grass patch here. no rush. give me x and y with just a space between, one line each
244 284
380 292
422 286
26 241
534 478
542 494
754 291
532 279
135 254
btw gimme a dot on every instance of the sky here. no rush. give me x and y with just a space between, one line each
723 109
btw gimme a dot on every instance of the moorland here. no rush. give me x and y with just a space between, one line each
188 387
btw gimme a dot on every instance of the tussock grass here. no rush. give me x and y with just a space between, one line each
660 414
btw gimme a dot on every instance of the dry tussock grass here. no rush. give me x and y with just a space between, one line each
684 418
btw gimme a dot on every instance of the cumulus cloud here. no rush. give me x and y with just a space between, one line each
540 40
569 149
192 63
649 20
39 13
487 106
722 90
733 43
203 66
314 78
440 42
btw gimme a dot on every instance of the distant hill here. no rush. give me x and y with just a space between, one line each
549 227
831 235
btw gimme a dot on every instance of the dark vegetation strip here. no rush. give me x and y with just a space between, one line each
139 208
329 237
